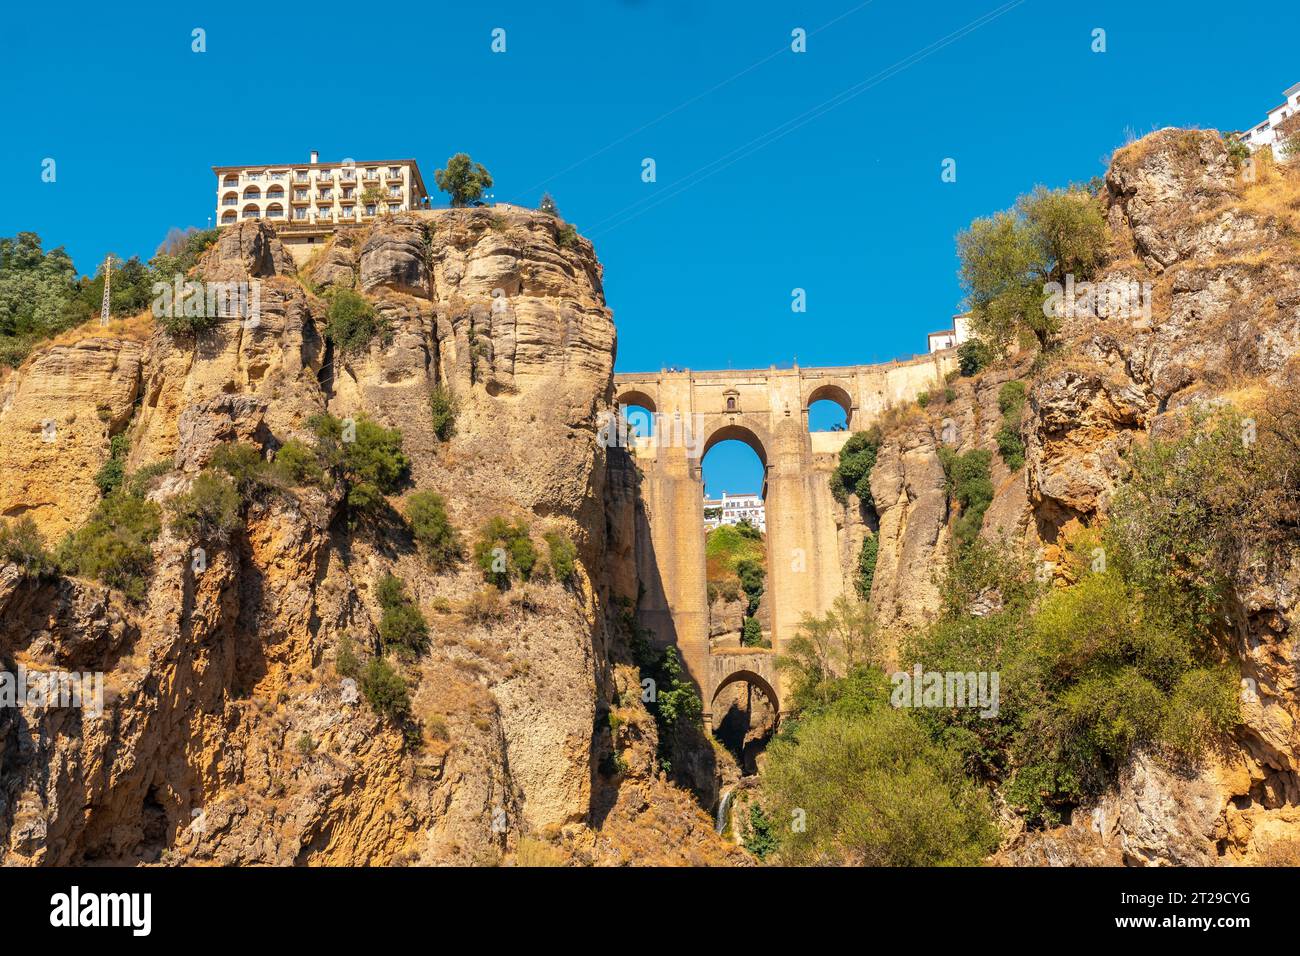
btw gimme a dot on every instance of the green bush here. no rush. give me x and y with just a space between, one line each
566 236
113 472
114 546
828 651
1238 152
345 658
751 633
872 790
209 511
297 465
402 628
433 531
505 551
923 399
867 566
21 544
762 839
444 406
563 555
385 690
352 322
244 465
1011 402
752 576
853 474
1090 673
677 708
970 485
973 356
372 464
140 481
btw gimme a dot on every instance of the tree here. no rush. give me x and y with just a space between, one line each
1007 260
872 790
828 648
433 531
372 462
463 180
857 458
547 205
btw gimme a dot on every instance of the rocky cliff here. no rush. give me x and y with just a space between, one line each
1217 242
228 734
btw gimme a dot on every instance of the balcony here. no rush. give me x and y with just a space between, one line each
230 202
348 175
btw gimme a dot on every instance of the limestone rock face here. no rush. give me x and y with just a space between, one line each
1161 184
57 414
394 257
228 734
336 265
908 486
248 249
1082 423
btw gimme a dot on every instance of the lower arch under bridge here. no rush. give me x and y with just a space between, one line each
767 410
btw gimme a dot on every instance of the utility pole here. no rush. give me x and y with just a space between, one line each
108 279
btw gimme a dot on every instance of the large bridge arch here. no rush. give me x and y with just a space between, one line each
766 409
746 433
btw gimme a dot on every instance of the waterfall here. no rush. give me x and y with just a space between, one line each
724 804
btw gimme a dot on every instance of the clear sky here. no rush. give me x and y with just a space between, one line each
775 170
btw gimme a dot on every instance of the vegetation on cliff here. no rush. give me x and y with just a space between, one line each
1007 258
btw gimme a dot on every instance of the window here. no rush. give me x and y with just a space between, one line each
370 209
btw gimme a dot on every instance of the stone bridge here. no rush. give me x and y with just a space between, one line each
768 410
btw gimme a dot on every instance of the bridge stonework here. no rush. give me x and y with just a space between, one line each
768 410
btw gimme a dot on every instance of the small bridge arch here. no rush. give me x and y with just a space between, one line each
753 665
832 391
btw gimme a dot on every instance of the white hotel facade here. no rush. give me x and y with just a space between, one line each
1265 134
318 194
733 509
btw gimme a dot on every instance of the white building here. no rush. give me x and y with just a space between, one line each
732 509
950 338
316 193
1265 134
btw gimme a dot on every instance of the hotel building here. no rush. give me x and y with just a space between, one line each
316 194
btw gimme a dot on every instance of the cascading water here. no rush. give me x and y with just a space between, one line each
724 804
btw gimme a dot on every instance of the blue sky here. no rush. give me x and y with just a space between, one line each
775 170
